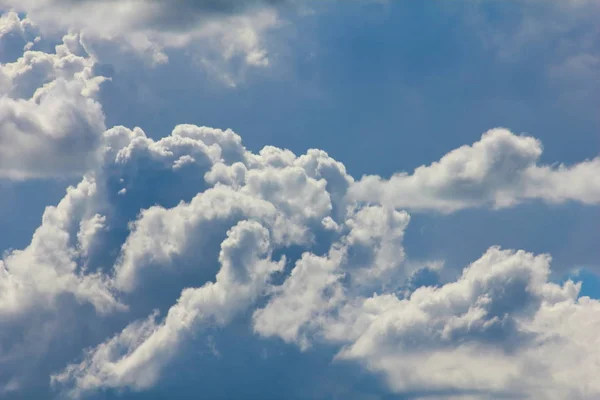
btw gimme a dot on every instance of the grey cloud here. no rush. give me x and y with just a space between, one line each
176 14
183 8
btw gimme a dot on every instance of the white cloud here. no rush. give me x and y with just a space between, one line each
299 306
159 234
11 24
136 356
149 216
225 37
500 170
151 219
43 287
50 121
500 329
102 245
273 196
35 276
16 34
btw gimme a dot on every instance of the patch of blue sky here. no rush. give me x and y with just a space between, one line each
382 88
590 281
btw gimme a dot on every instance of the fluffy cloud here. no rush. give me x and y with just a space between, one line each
136 356
195 227
12 25
48 267
501 329
50 121
226 37
500 170
163 240
16 34
47 295
482 327
501 326
124 232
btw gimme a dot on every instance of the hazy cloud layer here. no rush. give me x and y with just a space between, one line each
169 15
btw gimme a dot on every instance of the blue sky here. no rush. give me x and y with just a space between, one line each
382 87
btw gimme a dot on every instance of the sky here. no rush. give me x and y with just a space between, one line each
311 200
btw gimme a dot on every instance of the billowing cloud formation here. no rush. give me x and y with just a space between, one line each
162 240
136 356
11 27
150 226
220 33
500 170
497 330
87 254
50 121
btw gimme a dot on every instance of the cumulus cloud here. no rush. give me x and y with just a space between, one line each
488 312
498 330
225 37
46 295
136 356
124 232
10 23
499 327
163 239
13 27
48 267
500 170
50 121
